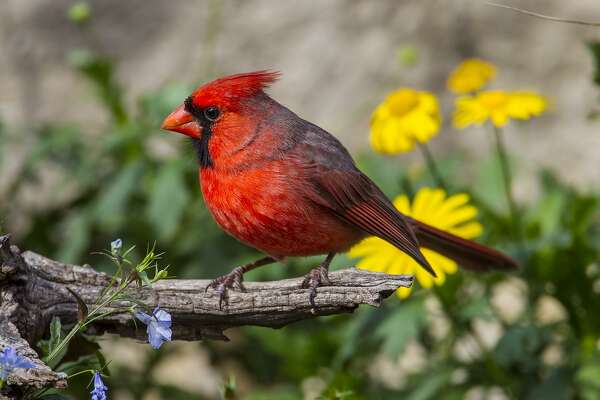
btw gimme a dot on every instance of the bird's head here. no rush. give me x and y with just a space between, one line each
218 108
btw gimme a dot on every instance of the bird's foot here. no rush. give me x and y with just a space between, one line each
317 276
222 284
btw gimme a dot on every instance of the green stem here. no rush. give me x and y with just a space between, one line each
65 341
116 277
90 318
432 166
506 176
87 371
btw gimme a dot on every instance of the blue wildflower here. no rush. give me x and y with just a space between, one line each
9 360
115 246
159 326
100 389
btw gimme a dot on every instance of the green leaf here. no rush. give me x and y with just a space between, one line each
594 48
401 326
548 212
143 278
79 12
169 199
342 386
587 379
408 56
99 71
55 334
476 308
111 207
75 237
431 389
52 343
556 386
488 183
228 389
521 345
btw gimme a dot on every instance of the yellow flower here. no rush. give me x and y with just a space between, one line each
471 75
404 117
452 214
498 106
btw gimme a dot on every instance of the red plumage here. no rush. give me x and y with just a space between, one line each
288 188
230 89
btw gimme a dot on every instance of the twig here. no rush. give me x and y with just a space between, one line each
542 16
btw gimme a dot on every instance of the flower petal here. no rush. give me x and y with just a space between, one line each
404 292
450 213
154 337
162 315
404 117
142 316
164 332
471 75
467 231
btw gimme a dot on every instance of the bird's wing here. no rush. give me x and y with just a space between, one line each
336 183
357 200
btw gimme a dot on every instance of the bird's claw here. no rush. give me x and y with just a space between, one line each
317 276
222 284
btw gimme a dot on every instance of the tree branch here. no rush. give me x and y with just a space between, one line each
35 289
37 378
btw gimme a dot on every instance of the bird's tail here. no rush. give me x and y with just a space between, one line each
466 253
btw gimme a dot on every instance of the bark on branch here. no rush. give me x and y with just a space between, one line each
34 289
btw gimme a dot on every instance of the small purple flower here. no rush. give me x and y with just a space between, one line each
100 389
9 360
115 246
159 326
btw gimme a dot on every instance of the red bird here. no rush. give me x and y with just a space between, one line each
286 187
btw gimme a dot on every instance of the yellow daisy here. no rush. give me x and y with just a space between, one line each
497 106
471 75
452 214
404 117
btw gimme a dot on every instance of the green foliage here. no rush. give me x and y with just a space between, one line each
403 324
228 389
594 47
168 201
99 71
50 346
79 12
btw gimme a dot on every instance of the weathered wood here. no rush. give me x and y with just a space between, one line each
39 377
11 290
34 289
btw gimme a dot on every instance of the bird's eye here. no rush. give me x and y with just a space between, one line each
211 113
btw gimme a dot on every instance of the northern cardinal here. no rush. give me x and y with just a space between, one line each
286 187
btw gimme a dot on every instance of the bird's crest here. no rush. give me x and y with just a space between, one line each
233 88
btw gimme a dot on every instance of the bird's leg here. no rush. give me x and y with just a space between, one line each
235 279
317 276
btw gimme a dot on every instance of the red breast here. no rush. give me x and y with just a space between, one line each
266 209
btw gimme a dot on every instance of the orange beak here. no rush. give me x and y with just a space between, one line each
183 122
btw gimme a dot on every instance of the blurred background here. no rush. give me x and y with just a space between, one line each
85 85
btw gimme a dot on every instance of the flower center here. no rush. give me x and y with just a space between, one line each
403 101
493 99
